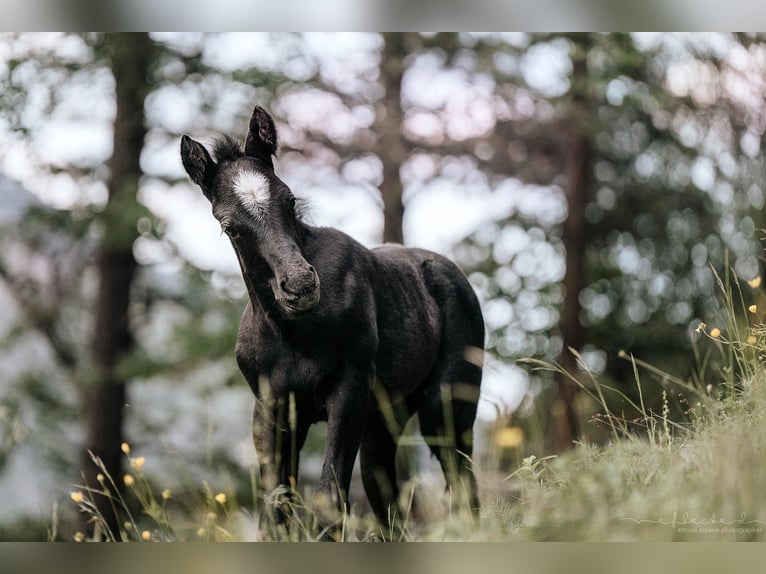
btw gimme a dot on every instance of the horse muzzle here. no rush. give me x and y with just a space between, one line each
299 292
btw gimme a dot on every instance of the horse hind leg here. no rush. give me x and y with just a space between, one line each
451 394
446 416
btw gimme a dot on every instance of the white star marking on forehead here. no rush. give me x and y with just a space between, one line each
252 189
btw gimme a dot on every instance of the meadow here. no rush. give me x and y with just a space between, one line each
659 477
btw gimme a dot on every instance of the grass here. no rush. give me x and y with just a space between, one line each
660 477
703 484
697 477
198 513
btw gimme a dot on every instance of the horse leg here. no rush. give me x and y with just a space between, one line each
346 416
378 466
446 416
278 444
451 393
264 439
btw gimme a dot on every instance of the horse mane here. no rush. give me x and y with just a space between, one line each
226 148
303 209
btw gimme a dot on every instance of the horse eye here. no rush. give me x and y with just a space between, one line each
231 232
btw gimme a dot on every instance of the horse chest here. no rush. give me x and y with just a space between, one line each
288 366
292 371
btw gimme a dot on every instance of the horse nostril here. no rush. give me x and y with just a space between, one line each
301 284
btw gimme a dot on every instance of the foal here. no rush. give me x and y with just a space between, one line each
361 338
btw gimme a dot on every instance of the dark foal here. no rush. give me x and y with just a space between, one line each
334 331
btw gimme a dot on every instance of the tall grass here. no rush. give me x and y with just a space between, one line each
692 470
695 477
198 513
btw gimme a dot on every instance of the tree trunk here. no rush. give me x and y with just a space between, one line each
574 236
391 148
577 166
129 56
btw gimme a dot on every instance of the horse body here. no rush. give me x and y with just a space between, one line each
334 331
374 304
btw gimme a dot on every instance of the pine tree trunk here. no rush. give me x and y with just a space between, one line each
577 166
130 56
574 236
391 149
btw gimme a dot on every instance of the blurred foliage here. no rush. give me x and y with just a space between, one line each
675 123
675 194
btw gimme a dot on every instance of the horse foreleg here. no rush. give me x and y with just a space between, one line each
346 415
278 439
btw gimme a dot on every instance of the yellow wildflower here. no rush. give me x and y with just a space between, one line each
166 494
138 463
129 480
100 477
79 537
211 516
509 437
201 532
146 535
125 447
753 309
755 282
751 340
77 496
220 498
715 332
701 327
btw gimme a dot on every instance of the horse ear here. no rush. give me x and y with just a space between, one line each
198 164
261 142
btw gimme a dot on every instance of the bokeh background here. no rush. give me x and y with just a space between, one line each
590 185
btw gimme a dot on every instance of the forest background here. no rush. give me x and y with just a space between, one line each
590 185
